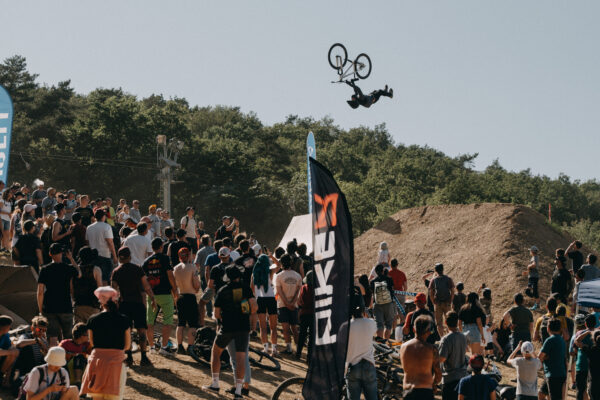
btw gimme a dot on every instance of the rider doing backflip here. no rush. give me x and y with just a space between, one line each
359 99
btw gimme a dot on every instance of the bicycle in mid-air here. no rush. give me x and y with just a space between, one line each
360 68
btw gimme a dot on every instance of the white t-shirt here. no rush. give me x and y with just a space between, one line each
261 292
6 209
360 341
527 375
190 226
33 384
287 283
96 235
140 247
383 257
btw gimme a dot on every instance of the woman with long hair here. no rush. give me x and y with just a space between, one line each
110 336
16 229
123 215
261 283
5 210
472 319
86 303
46 237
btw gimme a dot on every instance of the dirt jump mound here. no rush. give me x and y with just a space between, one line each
477 243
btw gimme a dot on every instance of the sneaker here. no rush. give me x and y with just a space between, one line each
535 307
210 387
245 392
274 352
286 351
129 361
181 350
391 93
145 362
164 352
237 396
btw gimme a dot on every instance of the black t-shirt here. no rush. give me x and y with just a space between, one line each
593 355
232 299
57 279
561 282
86 215
129 278
216 274
109 330
222 233
246 262
469 315
64 227
166 246
156 267
387 280
27 246
577 258
175 247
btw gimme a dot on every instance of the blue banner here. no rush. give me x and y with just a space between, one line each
311 152
6 117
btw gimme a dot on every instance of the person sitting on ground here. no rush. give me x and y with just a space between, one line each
527 368
420 360
441 291
109 334
287 288
384 309
33 346
51 380
359 99
85 301
129 280
187 284
477 386
453 349
533 277
8 352
234 303
361 376
77 350
553 356
472 320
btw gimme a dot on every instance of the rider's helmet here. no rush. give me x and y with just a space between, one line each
353 103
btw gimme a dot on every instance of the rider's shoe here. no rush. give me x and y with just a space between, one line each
391 92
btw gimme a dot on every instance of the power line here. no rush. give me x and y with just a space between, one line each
88 161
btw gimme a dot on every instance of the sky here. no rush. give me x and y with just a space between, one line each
512 80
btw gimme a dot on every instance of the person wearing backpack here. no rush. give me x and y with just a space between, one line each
49 381
384 309
540 332
441 290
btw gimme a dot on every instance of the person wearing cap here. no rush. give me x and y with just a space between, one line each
5 211
421 363
409 325
477 386
54 293
520 320
28 250
61 230
579 371
533 277
109 334
130 281
228 228
99 235
188 284
49 201
191 226
234 304
527 367
217 273
453 348
51 380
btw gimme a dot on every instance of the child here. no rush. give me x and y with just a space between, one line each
533 277
486 303
77 350
8 353
384 255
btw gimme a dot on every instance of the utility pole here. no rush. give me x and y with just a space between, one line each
166 162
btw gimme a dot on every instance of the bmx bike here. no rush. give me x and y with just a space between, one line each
360 68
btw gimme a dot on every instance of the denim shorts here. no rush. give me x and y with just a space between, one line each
5 225
471 331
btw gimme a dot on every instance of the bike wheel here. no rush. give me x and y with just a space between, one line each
202 356
335 51
263 360
362 66
290 389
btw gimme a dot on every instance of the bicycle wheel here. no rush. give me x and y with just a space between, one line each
362 66
201 355
338 56
290 389
263 360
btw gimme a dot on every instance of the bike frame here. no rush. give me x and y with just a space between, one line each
350 70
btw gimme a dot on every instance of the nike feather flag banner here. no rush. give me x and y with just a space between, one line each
333 276
6 117
311 152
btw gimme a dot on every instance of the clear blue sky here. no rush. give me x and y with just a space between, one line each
513 80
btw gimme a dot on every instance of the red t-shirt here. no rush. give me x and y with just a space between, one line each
71 347
398 277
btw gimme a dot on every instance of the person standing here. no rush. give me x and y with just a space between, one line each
306 302
70 205
521 322
37 197
459 298
420 360
99 235
173 250
228 228
590 269
49 201
453 348
527 368
188 222
61 231
154 225
135 211
5 213
262 286
85 301
287 288
399 279
159 274
554 358
384 309
472 320
140 245
188 284
78 231
54 294
574 253
441 291
562 282
87 213
28 250
580 369
533 277
593 354
409 326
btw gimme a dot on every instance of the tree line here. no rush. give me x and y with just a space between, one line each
104 144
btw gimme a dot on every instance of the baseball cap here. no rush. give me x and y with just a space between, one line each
224 252
476 361
421 298
124 252
527 348
534 249
189 208
29 207
183 251
225 217
580 320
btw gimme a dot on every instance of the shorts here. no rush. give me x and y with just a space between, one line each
287 316
164 302
418 394
208 295
187 311
471 331
532 285
106 266
267 305
136 312
59 322
193 244
241 340
83 313
384 315
5 225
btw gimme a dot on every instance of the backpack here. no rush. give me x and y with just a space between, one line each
544 327
382 292
442 288
22 394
